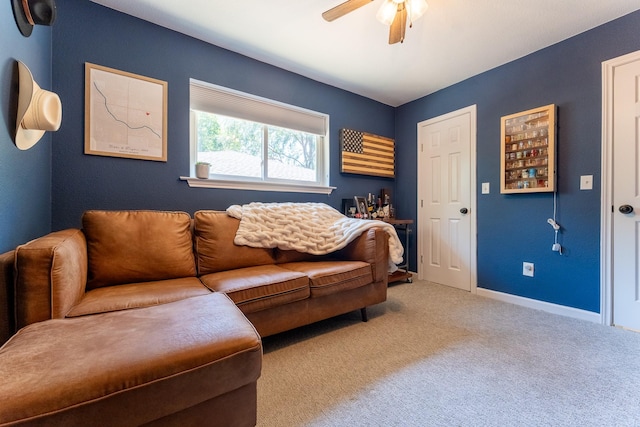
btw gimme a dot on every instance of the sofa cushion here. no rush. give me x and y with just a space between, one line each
128 367
215 231
137 246
328 277
259 288
136 295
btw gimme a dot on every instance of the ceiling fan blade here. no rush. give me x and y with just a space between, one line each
343 8
398 26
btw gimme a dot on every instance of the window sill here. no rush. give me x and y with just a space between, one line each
257 186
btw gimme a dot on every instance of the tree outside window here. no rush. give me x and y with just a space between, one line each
237 148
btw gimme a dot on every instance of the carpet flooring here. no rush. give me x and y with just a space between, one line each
436 356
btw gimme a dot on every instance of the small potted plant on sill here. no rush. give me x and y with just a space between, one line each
202 170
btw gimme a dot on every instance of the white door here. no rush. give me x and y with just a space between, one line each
446 200
626 196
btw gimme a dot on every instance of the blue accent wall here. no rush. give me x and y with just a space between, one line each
48 187
25 176
513 228
87 32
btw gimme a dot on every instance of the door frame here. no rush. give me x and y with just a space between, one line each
473 261
606 185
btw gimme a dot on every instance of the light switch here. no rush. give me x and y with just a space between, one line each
527 269
586 182
485 188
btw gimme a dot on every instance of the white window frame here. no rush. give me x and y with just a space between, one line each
216 99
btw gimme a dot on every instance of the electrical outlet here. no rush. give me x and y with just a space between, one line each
527 269
586 182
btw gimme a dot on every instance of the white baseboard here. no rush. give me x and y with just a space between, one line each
541 305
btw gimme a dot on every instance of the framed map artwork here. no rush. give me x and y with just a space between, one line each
125 114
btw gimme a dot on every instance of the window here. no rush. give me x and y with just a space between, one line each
256 143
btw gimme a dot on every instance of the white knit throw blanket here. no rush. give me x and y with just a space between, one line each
314 228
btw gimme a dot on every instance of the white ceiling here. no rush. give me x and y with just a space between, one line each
454 40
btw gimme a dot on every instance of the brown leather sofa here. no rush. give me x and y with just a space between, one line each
155 318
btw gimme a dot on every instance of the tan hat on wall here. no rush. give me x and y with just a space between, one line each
38 110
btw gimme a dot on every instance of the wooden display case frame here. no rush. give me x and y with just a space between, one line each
528 147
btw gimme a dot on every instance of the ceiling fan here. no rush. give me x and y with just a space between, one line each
392 12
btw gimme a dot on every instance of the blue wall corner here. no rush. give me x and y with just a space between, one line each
513 228
87 32
25 176
49 186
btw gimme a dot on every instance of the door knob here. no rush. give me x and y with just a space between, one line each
464 211
626 209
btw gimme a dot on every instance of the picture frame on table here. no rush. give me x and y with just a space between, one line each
361 205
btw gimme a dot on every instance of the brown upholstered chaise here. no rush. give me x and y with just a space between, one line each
183 363
153 317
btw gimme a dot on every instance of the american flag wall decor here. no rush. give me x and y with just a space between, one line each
366 154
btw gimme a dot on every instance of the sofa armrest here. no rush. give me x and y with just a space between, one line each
7 318
372 246
50 276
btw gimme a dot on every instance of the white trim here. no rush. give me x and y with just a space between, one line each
214 99
561 310
606 185
473 267
258 186
474 203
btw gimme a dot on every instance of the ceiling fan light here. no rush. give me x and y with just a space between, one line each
387 12
416 8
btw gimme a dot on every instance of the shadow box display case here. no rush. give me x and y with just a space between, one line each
528 151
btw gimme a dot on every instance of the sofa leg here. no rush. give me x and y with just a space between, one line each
363 313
